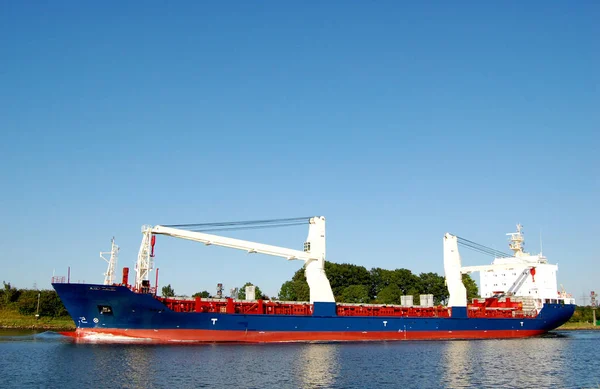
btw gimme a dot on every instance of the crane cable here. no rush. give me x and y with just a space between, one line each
242 225
246 227
296 221
482 249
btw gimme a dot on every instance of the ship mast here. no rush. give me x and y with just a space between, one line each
112 262
517 241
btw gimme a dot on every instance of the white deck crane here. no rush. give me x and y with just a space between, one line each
454 270
452 265
313 254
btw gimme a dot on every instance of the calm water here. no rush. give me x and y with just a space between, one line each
47 360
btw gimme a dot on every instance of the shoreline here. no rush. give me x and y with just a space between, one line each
577 327
12 320
38 327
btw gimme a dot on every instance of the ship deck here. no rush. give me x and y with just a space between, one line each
480 308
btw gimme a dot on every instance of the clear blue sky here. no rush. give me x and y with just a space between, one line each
398 121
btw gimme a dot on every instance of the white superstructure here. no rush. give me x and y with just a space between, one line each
521 275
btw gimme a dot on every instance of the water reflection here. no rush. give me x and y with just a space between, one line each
103 365
545 362
138 363
318 365
517 363
456 358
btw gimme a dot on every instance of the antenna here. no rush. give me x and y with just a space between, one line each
541 246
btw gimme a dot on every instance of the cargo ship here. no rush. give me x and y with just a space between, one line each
519 298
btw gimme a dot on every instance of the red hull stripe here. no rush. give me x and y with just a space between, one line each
209 336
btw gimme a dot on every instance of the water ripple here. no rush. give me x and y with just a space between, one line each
49 360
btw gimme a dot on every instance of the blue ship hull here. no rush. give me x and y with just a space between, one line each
116 310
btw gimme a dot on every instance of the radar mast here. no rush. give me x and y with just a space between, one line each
517 241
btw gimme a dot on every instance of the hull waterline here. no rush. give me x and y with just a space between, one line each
142 317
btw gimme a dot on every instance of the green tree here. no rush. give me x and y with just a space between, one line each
257 292
167 291
405 280
52 304
355 294
344 275
299 275
301 288
432 283
380 279
10 294
384 286
294 290
203 294
471 286
340 277
27 303
389 295
416 293
584 314
287 292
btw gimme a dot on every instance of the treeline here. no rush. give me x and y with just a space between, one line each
356 284
584 315
25 301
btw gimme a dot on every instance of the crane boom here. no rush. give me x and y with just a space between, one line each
250 247
313 254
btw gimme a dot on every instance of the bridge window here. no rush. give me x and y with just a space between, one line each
105 310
